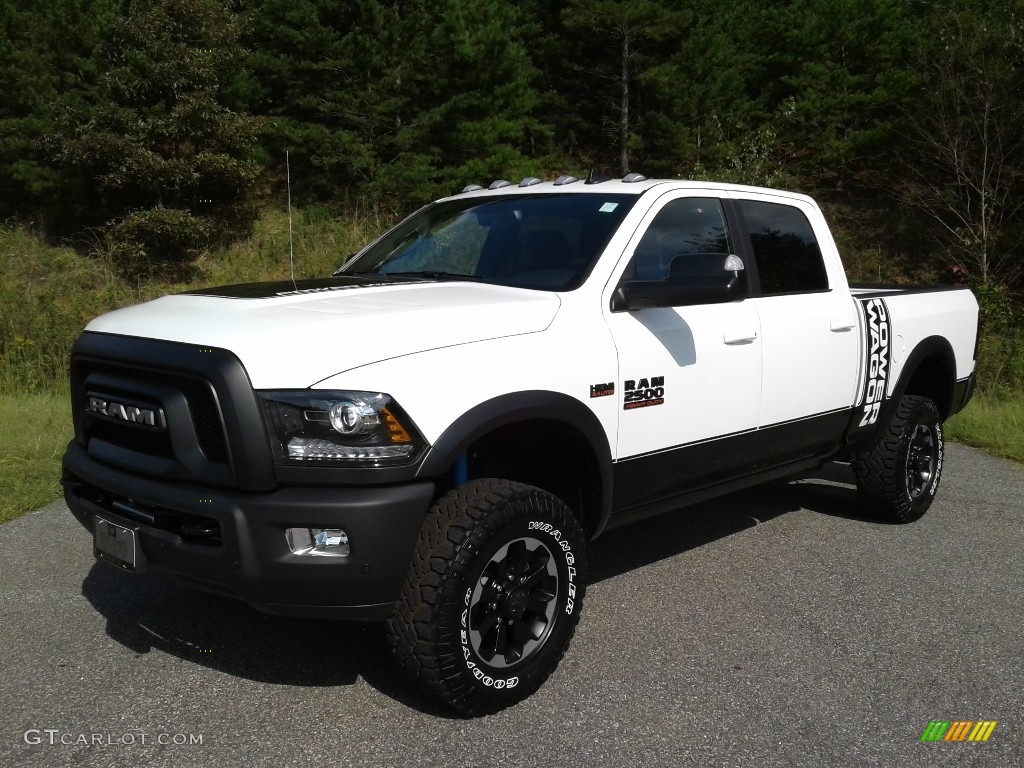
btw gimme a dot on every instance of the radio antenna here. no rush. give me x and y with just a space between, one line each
291 243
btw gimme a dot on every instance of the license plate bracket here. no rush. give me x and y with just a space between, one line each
118 545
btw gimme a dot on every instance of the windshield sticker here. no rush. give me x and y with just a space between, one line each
643 393
608 207
602 390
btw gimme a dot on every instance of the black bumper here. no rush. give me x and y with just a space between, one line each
243 552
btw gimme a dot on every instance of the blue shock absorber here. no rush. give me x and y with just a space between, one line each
461 469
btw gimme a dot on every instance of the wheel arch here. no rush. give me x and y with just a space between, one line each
930 371
543 438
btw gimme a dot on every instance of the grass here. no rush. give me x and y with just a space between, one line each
34 428
995 423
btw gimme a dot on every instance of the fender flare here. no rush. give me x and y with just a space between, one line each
521 406
929 347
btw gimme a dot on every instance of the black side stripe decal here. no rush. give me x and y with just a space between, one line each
878 353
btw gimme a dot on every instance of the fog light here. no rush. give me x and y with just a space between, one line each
323 542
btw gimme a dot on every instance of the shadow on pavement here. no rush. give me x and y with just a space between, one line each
156 613
830 491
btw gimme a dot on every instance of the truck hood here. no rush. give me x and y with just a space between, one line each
292 335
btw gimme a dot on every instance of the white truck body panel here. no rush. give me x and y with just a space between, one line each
951 315
294 341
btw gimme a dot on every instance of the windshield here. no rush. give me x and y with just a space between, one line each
548 242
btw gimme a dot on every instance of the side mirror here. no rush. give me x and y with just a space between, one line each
692 279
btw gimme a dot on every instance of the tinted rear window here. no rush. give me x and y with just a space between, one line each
785 248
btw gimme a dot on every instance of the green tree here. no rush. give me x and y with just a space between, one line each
315 68
163 164
705 114
963 162
47 56
840 67
397 101
469 92
623 44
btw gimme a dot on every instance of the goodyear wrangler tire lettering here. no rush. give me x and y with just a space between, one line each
493 595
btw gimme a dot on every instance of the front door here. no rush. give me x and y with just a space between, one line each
689 386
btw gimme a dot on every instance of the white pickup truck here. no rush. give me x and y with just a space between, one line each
430 436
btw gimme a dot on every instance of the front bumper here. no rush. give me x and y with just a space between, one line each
243 552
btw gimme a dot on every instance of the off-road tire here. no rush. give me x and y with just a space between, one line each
492 596
897 479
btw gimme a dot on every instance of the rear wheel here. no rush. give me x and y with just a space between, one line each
899 476
493 595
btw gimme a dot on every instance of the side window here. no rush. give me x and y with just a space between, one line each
785 248
689 226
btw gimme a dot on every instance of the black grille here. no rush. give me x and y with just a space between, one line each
203 409
142 440
192 414
202 406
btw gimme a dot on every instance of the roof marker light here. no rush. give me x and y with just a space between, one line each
561 180
529 181
630 178
499 183
471 188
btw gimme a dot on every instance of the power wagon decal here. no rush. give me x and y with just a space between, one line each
877 364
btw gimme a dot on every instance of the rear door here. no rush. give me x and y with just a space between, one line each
809 327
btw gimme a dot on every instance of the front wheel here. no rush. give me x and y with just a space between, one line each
899 476
493 595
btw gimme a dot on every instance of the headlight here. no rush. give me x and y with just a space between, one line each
340 428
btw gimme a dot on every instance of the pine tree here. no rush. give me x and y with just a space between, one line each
164 163
47 57
397 101
621 44
468 92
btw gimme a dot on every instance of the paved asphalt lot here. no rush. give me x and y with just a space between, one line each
772 628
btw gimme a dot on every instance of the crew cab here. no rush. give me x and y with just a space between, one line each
431 435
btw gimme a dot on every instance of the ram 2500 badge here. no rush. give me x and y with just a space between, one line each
431 435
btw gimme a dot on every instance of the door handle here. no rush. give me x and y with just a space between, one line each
737 337
842 324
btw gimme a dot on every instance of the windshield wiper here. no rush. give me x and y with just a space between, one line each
360 275
429 275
